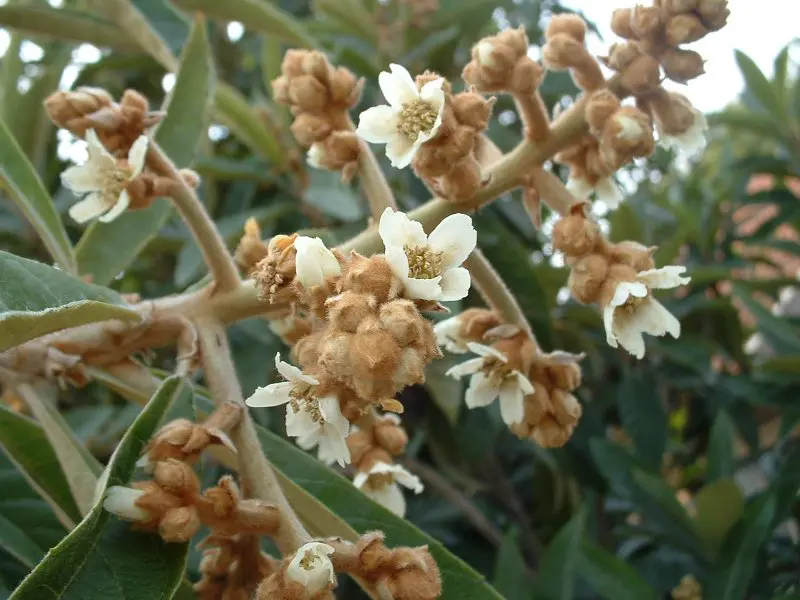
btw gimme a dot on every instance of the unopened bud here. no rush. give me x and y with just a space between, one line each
177 478
308 128
623 55
714 13
684 29
600 106
682 65
569 24
347 310
179 524
587 277
391 436
575 235
621 23
642 75
646 20
566 408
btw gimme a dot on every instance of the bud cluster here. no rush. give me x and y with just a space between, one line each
500 63
319 97
232 567
447 162
660 31
565 48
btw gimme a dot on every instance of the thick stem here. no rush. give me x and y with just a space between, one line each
532 110
255 470
373 181
219 260
493 289
552 191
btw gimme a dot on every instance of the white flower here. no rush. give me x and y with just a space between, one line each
605 190
312 568
121 501
448 334
313 421
314 261
429 266
493 377
412 118
381 484
103 180
692 141
633 311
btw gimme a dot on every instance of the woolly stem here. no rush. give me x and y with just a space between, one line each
219 260
373 181
495 292
533 113
256 472
552 191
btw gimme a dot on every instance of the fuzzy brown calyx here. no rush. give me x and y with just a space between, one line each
232 567
575 234
251 248
275 272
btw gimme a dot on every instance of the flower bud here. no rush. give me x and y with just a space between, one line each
569 24
587 277
345 89
684 29
622 56
714 13
64 107
674 7
634 255
621 23
347 310
308 93
402 320
646 20
599 108
179 524
308 128
122 501
549 434
391 436
642 75
251 249
575 235
314 262
562 52
316 64
682 65
473 109
566 408
373 276
565 376
176 478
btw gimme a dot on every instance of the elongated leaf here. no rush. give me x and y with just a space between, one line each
36 299
263 17
79 467
731 577
610 577
179 134
759 86
510 576
644 418
19 180
28 527
352 15
775 329
65 24
558 569
103 558
719 506
25 443
721 461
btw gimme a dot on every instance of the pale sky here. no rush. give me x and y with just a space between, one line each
760 28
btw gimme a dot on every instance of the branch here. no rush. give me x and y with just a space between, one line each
256 472
373 181
219 260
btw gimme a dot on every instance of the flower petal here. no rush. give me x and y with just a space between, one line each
512 407
396 229
398 261
487 351
455 284
468 367
274 394
119 207
333 448
314 261
389 496
608 193
377 125
81 179
398 87
579 187
137 155
655 319
455 238
630 338
664 278
99 158
423 289
524 383
332 413
400 151
481 391
608 323
300 424
87 209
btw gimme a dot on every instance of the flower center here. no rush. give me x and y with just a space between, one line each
308 560
416 117
632 304
423 263
378 481
496 370
302 398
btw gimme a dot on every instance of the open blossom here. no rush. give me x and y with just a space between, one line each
429 266
633 311
103 179
605 190
314 261
312 568
315 422
692 141
121 501
383 482
412 118
448 334
492 377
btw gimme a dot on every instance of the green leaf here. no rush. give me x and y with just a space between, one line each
352 15
28 526
643 417
759 86
510 576
775 329
65 24
19 180
79 466
36 299
257 15
103 557
559 566
25 443
731 575
719 506
610 577
179 135
721 460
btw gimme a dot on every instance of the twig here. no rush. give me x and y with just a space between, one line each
255 470
552 191
373 181
216 255
495 292
453 495
534 115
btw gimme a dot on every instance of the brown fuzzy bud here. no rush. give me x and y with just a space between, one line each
642 75
391 436
682 65
308 128
633 254
66 107
628 135
177 478
374 354
587 277
621 23
339 150
463 180
575 235
674 7
550 434
345 88
674 112
566 408
646 20
616 274
714 13
564 376
599 108
371 276
347 310
472 109
308 93
402 320
251 249
411 370
562 52
179 524
622 56
684 29
569 24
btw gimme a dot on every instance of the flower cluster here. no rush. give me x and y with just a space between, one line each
533 388
319 97
565 49
429 127
232 567
620 279
307 575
